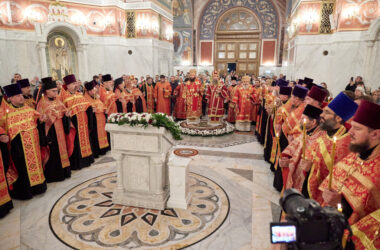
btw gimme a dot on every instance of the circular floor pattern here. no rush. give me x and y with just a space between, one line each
185 152
86 218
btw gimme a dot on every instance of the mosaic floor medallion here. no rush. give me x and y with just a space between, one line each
185 152
86 218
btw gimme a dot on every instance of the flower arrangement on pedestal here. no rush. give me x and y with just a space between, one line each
145 119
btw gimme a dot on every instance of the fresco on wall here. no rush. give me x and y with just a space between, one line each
183 47
166 3
264 9
61 56
182 13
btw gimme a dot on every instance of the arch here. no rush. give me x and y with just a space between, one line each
77 33
229 12
264 10
374 30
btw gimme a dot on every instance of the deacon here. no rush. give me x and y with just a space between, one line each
355 179
162 94
21 125
319 156
80 111
98 135
26 93
193 98
54 131
215 96
243 99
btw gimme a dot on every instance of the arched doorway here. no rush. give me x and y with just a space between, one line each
61 55
238 42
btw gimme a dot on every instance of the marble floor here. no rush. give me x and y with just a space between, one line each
233 162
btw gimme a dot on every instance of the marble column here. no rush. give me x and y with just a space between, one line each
41 46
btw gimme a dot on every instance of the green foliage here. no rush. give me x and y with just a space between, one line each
158 120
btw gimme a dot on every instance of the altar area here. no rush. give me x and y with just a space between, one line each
232 203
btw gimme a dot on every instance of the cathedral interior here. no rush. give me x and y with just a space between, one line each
233 199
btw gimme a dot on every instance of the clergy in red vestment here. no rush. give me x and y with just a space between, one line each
162 94
179 107
319 155
21 124
231 115
98 135
293 175
26 92
5 199
81 117
138 96
55 130
215 95
243 99
193 97
356 178
148 91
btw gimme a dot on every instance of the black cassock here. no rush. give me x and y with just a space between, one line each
5 208
21 188
278 181
53 168
94 140
76 160
119 106
139 105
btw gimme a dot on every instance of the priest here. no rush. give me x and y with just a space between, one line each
179 107
21 124
147 89
98 135
54 131
318 159
231 115
5 199
80 111
26 92
355 180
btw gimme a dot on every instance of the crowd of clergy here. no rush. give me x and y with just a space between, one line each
327 148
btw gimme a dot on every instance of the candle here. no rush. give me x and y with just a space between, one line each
332 161
304 138
339 207
6 121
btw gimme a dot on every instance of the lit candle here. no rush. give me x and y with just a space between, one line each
304 138
339 207
332 161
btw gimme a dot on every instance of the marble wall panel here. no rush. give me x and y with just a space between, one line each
346 58
18 56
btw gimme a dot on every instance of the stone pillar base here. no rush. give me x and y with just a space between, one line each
178 178
243 126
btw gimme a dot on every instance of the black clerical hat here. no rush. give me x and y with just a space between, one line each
312 112
12 89
24 83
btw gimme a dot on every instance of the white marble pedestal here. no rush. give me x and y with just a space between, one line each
243 126
142 171
179 186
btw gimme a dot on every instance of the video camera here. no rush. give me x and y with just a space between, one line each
309 226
